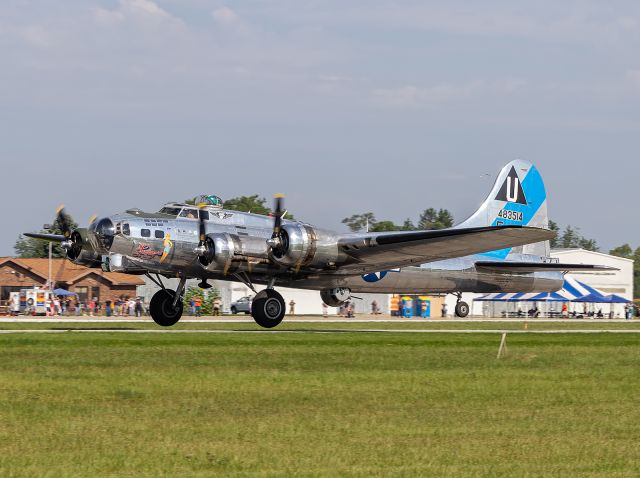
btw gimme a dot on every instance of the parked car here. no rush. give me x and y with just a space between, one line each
243 304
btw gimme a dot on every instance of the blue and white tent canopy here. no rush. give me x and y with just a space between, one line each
571 291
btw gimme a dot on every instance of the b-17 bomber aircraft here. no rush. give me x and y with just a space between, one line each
502 247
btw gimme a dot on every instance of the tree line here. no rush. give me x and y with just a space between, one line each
626 251
429 219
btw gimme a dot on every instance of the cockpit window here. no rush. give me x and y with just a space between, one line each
170 211
189 213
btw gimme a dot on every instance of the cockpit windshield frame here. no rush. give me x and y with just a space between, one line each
170 211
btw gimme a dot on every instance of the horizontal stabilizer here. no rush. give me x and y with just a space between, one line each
514 267
46 237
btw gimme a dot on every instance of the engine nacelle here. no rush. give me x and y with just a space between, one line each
84 249
220 249
297 245
226 251
335 297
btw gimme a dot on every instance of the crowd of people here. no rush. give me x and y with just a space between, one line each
121 307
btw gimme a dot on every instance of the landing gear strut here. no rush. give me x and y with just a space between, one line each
166 304
462 308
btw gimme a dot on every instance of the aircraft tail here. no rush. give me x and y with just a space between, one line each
518 197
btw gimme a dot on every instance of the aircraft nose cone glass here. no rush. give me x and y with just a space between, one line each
106 231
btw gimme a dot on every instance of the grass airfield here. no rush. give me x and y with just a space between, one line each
337 402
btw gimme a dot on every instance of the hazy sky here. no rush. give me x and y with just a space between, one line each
346 107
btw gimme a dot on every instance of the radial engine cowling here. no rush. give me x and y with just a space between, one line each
335 297
297 246
83 248
219 251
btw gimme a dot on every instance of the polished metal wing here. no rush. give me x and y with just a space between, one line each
372 252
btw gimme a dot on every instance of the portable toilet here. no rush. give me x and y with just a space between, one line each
424 307
407 306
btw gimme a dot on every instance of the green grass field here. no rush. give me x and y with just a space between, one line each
318 404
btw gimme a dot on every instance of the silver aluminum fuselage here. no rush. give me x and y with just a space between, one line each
173 255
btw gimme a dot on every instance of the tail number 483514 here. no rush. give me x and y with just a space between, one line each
510 215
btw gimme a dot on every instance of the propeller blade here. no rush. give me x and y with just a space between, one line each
201 225
64 223
92 219
277 213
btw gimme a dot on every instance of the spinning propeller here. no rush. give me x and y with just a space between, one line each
277 241
203 251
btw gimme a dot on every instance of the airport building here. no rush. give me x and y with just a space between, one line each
18 273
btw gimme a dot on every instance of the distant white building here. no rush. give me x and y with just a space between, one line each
618 282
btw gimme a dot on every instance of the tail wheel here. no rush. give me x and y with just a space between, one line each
268 308
162 309
462 309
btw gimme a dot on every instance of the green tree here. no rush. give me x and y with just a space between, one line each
254 204
435 219
408 225
207 303
627 252
571 238
383 226
27 247
588 244
622 251
553 226
359 222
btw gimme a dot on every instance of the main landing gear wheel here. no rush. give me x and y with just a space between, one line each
268 308
462 309
162 310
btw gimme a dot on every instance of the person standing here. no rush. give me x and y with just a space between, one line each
132 307
292 307
325 310
217 305
138 307
351 310
107 308
443 311
198 305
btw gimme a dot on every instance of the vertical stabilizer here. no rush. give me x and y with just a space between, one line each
518 197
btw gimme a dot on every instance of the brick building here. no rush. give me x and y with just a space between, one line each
17 273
